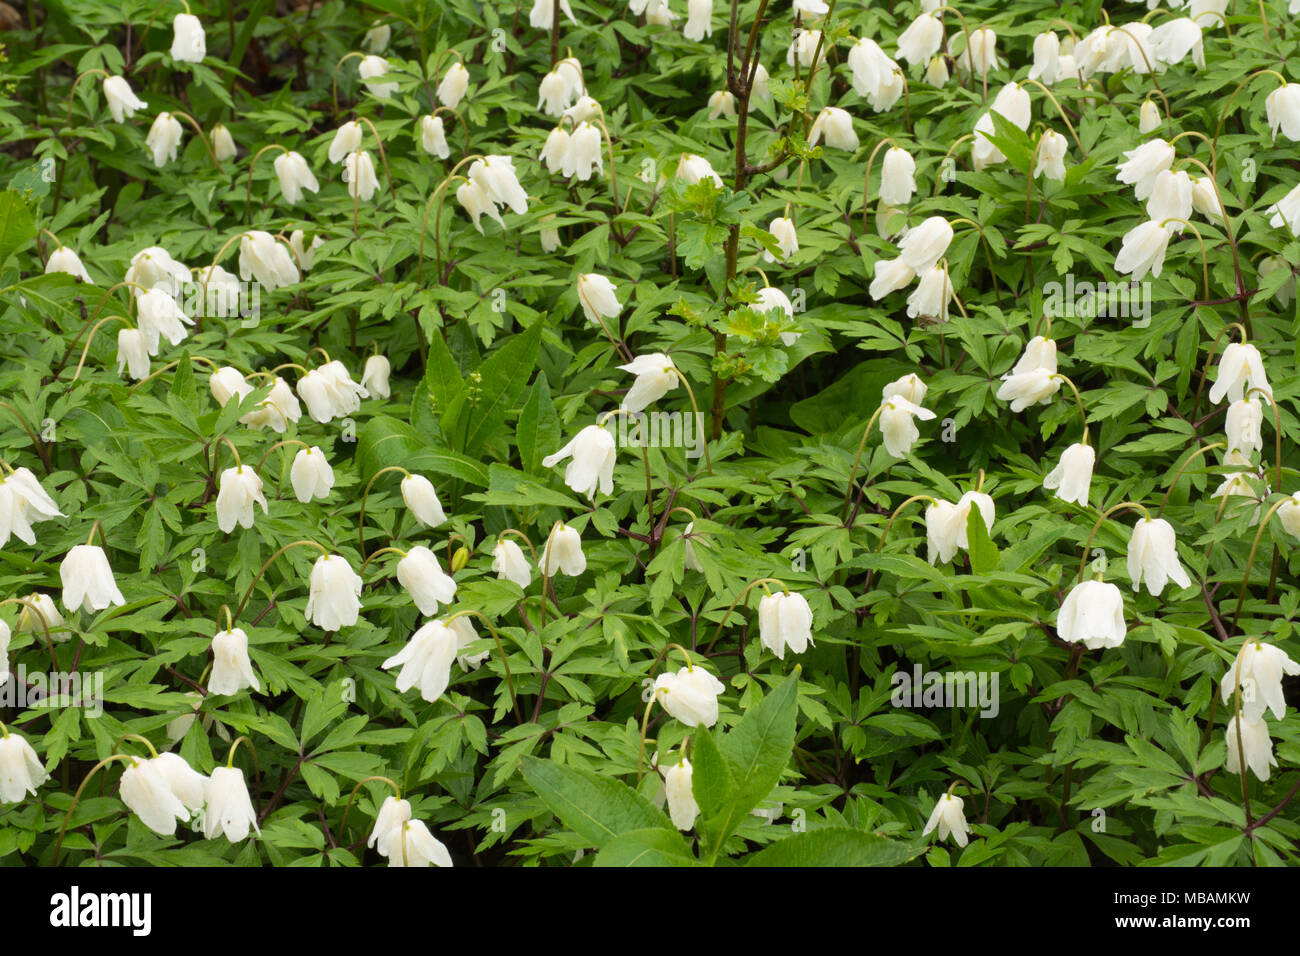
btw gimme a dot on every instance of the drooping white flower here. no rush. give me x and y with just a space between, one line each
804 47
922 247
656 376
425 661
374 376
542 15
238 490
1153 558
593 451
422 576
393 812
370 69
311 474
980 58
359 174
722 104
1143 250
229 809
264 258
949 819
433 137
1241 368
1047 58
1256 747
122 101
21 771
232 669
497 175
1072 477
377 37
1171 198
699 20
227 383
1148 117
597 297
346 141
1260 668
158 316
334 593
163 139
421 497
897 181
921 40
1093 614
835 126
931 296
897 427
1244 425
1051 156
785 620
691 169
88 580
690 695
786 236
295 176
132 354
38 615
563 553
509 563
890 276
148 795
67 261
189 45
678 789
411 844
23 503
1142 165
276 410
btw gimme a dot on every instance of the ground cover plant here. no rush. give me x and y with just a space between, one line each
674 432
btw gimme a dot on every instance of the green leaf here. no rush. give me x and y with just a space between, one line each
385 441
983 552
652 847
835 846
597 808
17 227
480 407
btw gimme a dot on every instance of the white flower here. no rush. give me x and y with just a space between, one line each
276 410
836 127
1260 668
374 376
425 661
67 261
1172 40
1144 164
359 174
466 636
1283 110
949 819
931 296
223 144
760 90
346 141
232 670
682 808
393 812
655 377
154 268
785 620
421 497
238 490
593 451
554 93
1289 514
568 557
1092 613
1148 117
1286 211
897 428
311 474
412 844
1205 200
1073 475
811 8
1047 58
874 75
1244 426
583 110
1240 369
890 275
1171 198
509 563
1051 156
936 74
1022 389
370 69
910 387
422 576
132 354
122 101
334 593
88 580
38 615
148 795
692 168
542 15
158 316
769 299
23 503
596 295
582 156
1153 558
941 531
265 259
981 57
377 37
329 392
690 695
1143 250
295 176
229 809
433 138
922 248
21 771
226 383
921 40
722 103
500 181
555 150
699 20
189 45
787 238
163 139
897 183
1256 744
474 199
804 47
